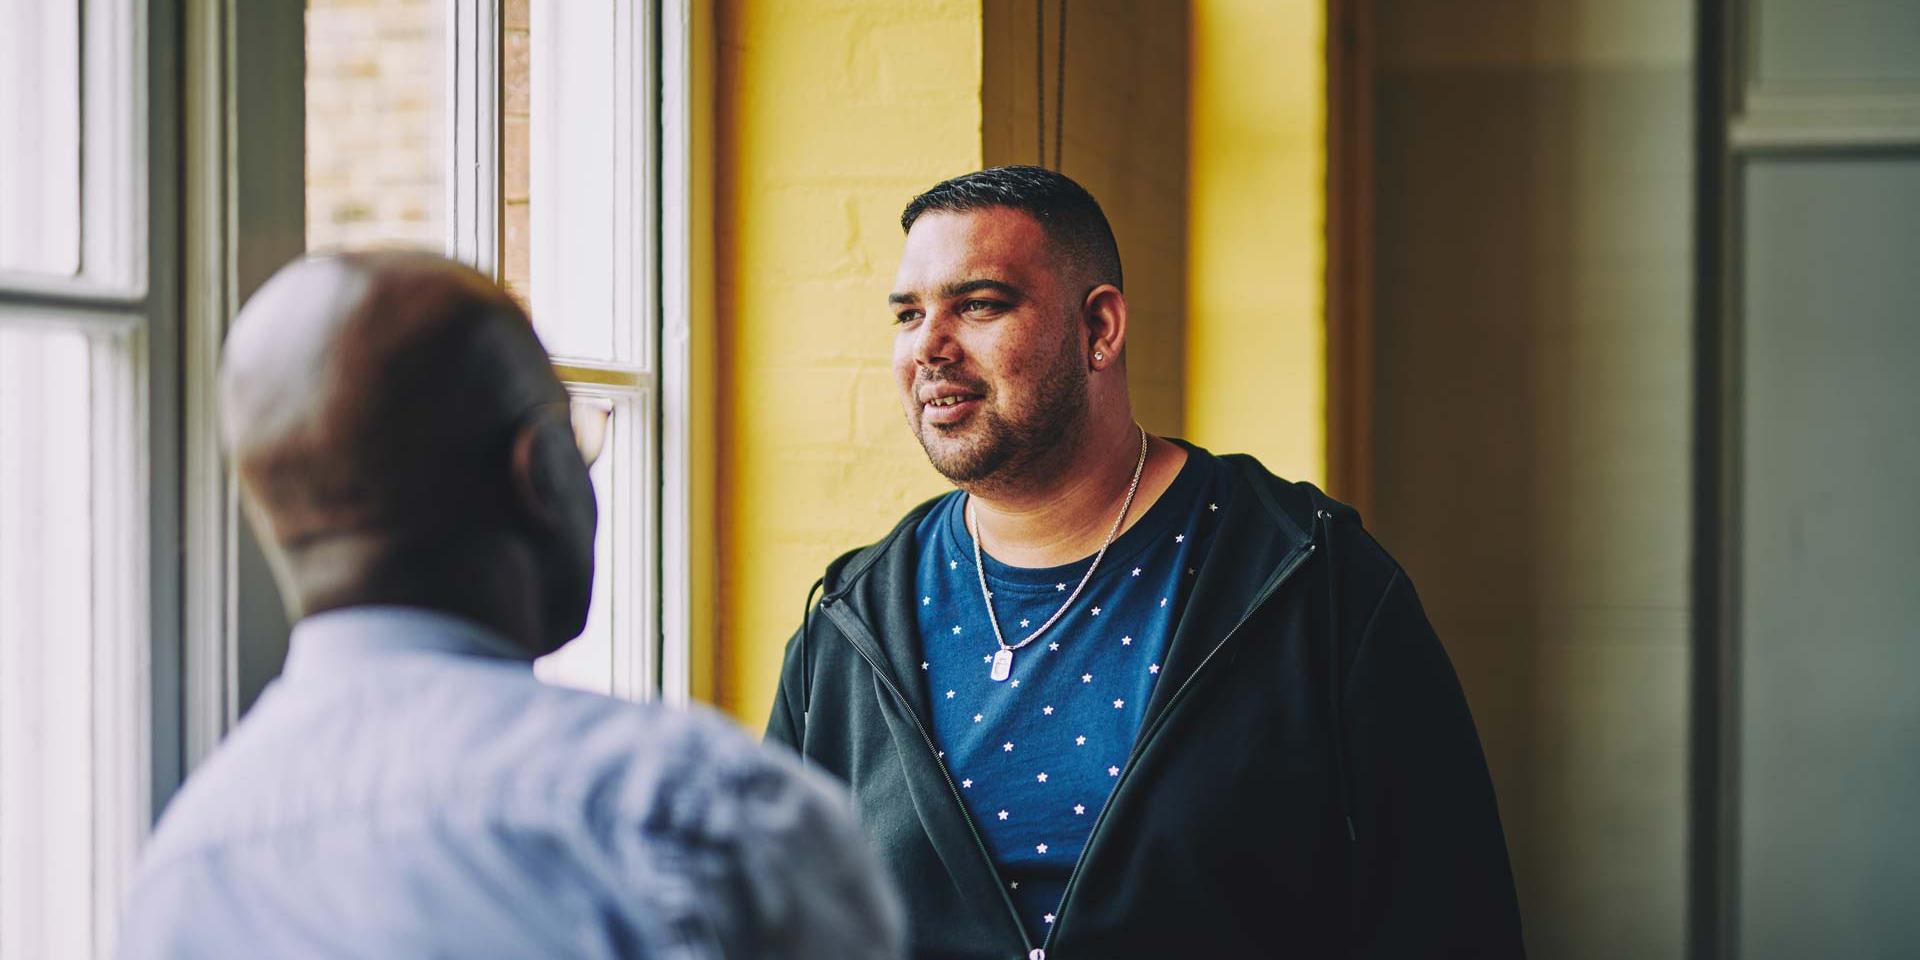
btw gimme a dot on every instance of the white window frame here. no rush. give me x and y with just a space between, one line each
122 297
646 104
243 216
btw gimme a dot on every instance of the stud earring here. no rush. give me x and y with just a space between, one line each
1097 355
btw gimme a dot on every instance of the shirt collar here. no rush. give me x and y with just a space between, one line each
343 638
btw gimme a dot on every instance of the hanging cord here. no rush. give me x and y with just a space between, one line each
806 665
1040 79
1333 678
1060 86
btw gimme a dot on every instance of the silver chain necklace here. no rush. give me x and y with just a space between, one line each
1003 660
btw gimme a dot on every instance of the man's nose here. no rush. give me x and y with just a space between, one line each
935 345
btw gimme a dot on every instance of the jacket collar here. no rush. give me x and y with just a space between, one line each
1257 539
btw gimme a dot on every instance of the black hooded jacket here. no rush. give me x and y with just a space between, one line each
1306 782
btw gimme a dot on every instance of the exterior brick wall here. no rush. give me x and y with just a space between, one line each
375 123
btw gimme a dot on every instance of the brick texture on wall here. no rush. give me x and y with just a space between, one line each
375 123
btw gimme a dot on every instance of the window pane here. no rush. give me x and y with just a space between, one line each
376 124
561 203
46 644
40 138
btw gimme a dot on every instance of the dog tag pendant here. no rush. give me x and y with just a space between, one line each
1003 664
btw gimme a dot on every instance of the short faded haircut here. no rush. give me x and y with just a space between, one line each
1074 224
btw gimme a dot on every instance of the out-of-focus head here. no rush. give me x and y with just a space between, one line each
401 439
1010 324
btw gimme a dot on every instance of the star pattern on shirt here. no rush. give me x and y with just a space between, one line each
997 785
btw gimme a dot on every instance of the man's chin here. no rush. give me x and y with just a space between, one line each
957 455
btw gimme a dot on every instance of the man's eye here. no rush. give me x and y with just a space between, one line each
981 306
906 316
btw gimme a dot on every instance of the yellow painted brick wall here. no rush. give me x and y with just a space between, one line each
829 117
1256 333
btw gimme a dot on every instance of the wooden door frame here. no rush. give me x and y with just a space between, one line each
1349 270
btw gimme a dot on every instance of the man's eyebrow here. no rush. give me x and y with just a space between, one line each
961 288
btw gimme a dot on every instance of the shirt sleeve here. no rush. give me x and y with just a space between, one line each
731 848
1431 872
786 724
805 874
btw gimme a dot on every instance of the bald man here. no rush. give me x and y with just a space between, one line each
406 788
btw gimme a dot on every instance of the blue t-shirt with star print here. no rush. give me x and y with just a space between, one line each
1036 755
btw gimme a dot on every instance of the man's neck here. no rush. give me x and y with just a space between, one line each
1067 515
473 575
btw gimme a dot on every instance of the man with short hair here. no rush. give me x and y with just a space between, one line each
406 788
1117 696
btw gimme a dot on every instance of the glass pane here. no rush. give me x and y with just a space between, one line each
40 137
376 123
588 662
47 812
558 186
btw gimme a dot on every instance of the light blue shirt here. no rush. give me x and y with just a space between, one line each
408 789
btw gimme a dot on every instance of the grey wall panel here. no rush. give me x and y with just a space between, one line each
1532 459
1802 43
1829 613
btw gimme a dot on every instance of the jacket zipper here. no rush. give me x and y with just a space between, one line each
851 622
1093 836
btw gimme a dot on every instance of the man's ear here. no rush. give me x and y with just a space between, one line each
1104 312
544 468
553 496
